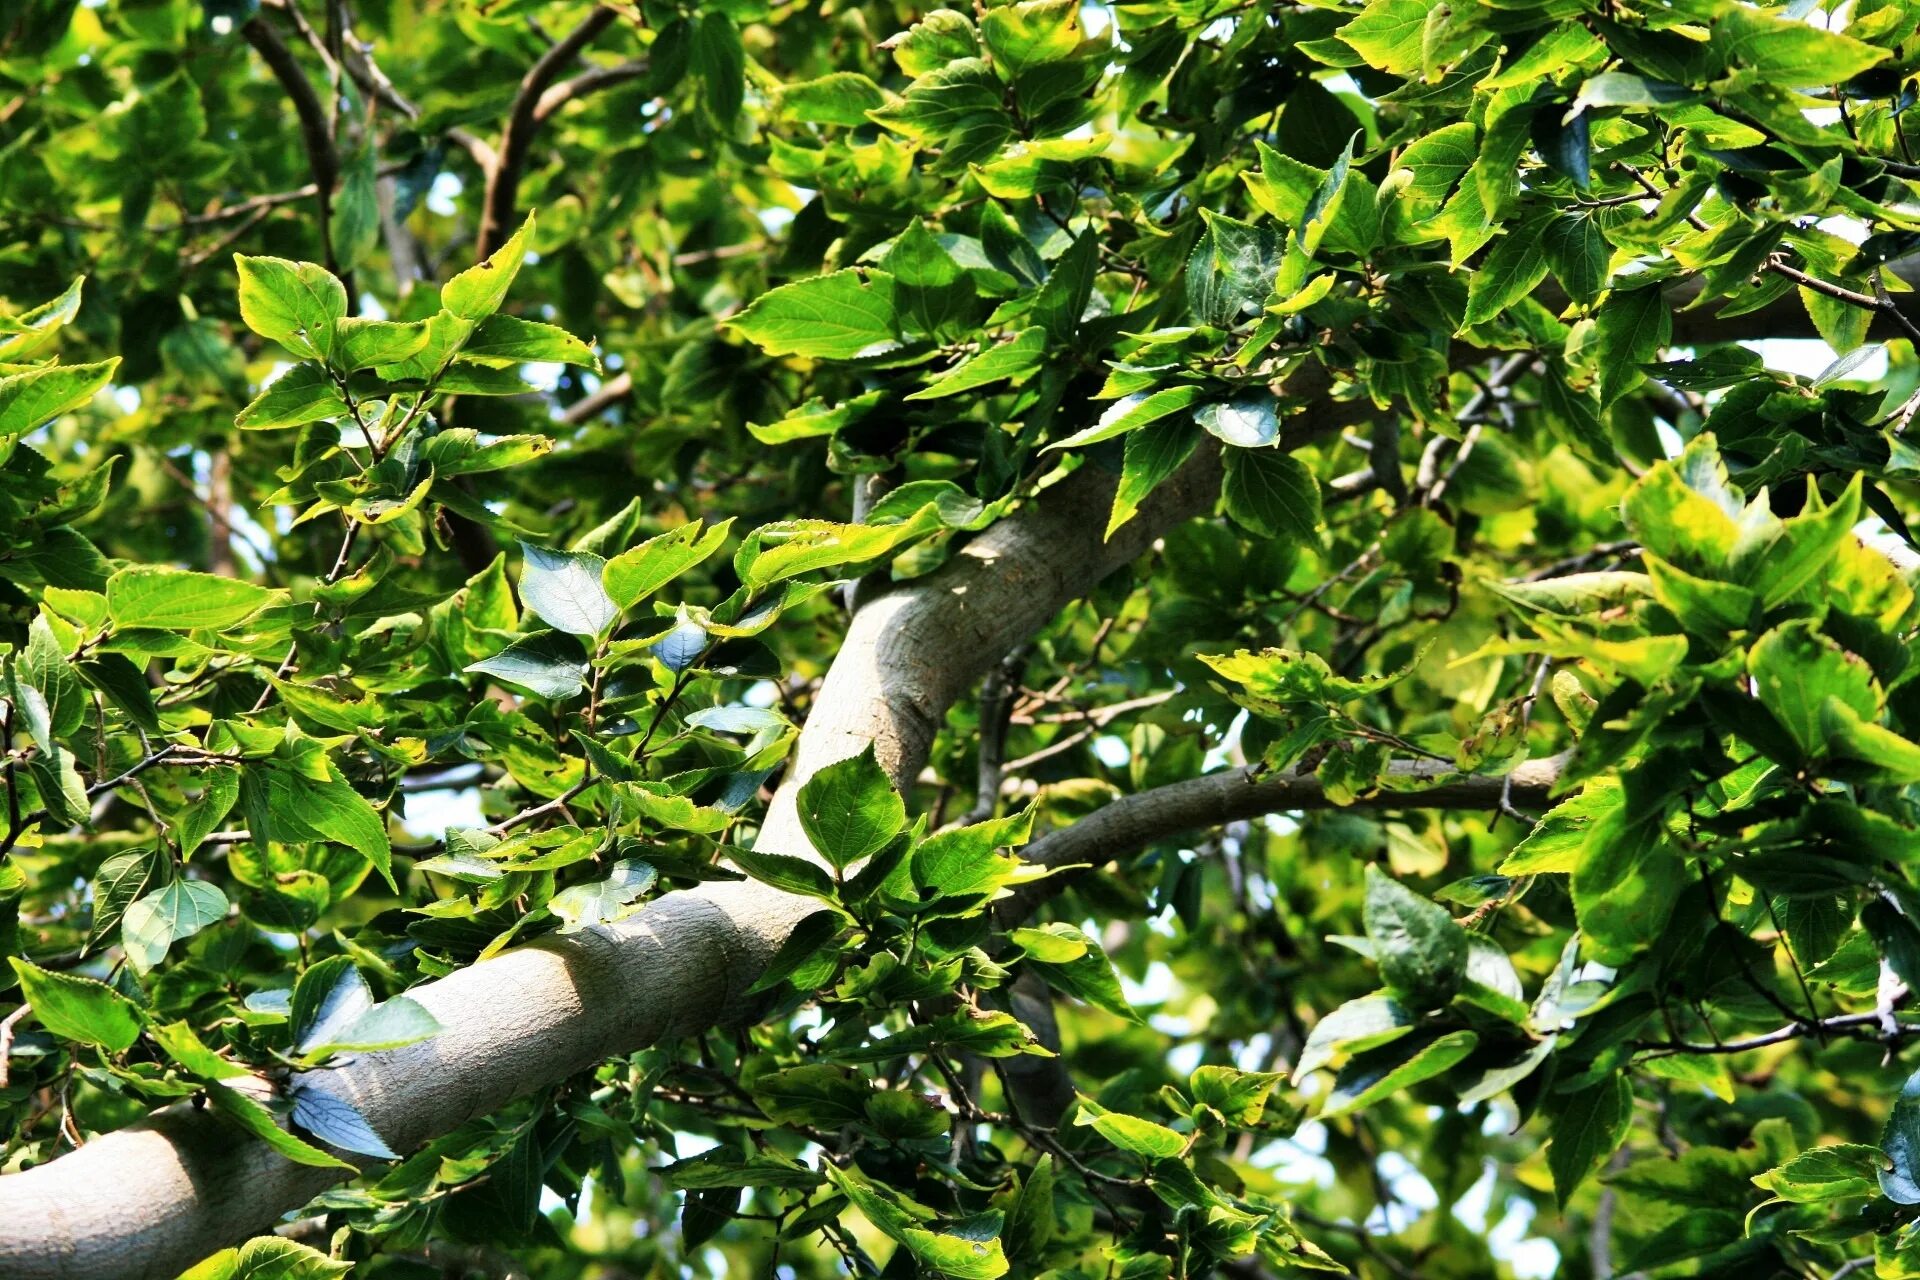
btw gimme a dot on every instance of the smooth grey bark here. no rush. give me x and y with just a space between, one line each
148 1201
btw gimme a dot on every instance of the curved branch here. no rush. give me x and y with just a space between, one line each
589 81
1131 823
523 120
316 130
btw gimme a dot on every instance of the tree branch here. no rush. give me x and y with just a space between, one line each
592 80
523 121
316 129
1131 823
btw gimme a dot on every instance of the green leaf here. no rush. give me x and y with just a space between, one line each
1389 34
31 399
362 344
508 340
1796 670
638 572
808 956
179 600
840 97
303 394
296 304
720 61
1588 1127
1270 492
1249 422
75 1008
1131 412
1421 950
783 550
151 925
1789 51
1232 271
1153 453
313 808
582 906
1842 1171
1131 1133
1629 330
254 1117
850 810
477 292
1357 1025
1393 1068
268 1258
547 664
563 589
354 230
1513 269
795 875
1015 358
1031 33
832 317
122 879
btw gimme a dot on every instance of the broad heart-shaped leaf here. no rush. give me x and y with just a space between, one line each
29 400
362 344
1271 493
76 1008
1152 454
850 810
1088 975
638 572
1585 1131
334 1120
252 1115
180 600
477 292
268 1258
832 317
178 910
1420 948
305 393
681 647
1365 1023
296 304
1249 422
548 664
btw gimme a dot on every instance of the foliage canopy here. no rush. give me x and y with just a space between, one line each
443 445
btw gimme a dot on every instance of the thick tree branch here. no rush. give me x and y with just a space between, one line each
497 213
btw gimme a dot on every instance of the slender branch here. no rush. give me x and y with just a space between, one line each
1131 823
592 80
1860 1025
523 120
316 129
